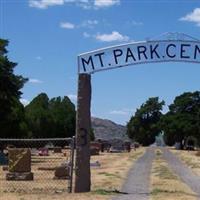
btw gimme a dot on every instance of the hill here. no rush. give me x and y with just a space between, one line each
107 129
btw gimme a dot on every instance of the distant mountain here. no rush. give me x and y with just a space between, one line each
107 130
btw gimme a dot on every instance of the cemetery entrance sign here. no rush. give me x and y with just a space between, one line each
139 53
174 48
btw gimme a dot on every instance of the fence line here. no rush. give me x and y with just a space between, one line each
43 166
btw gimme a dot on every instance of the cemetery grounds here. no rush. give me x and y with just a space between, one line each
106 179
109 177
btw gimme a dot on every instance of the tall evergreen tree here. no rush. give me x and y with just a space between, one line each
11 112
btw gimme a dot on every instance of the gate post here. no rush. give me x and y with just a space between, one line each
83 127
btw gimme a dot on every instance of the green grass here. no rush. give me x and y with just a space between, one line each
103 192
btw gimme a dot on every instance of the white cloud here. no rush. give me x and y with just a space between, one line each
33 80
118 112
105 3
72 97
85 4
67 25
85 24
192 17
124 111
25 102
114 36
43 4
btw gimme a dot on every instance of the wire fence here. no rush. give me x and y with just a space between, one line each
36 165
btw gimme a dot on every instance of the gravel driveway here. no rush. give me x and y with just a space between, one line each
180 169
136 186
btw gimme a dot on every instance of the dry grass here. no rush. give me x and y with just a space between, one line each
165 185
105 179
190 158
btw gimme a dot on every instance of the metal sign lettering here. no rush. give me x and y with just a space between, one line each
139 53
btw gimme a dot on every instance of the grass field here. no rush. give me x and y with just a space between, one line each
105 179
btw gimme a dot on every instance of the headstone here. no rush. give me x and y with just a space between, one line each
49 146
96 145
43 152
127 146
116 150
62 171
177 145
94 151
117 146
19 164
57 150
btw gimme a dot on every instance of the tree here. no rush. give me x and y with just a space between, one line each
183 118
51 118
143 126
39 118
11 112
64 116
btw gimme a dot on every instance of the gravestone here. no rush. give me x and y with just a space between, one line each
43 152
127 146
19 164
57 150
94 151
117 146
96 145
62 171
95 148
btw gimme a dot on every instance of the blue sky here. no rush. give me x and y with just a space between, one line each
47 35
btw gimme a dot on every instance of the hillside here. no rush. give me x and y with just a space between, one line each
106 129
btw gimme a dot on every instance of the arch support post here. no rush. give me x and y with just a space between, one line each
83 127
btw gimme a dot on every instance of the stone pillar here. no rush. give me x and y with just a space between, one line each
83 127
